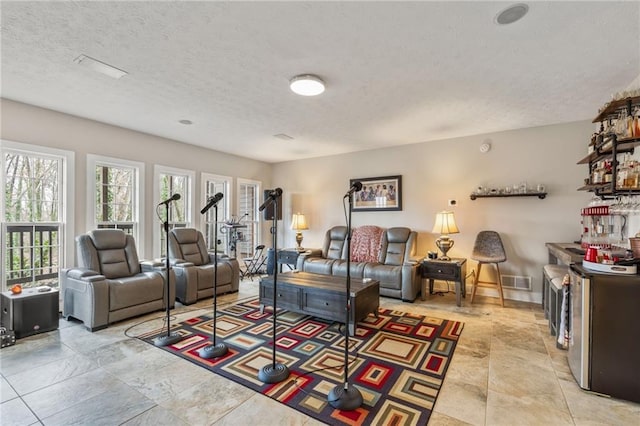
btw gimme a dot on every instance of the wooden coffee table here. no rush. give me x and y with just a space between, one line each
322 296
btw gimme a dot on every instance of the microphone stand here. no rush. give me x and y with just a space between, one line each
274 372
346 397
214 350
169 338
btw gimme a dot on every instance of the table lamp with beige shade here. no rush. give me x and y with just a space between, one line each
298 224
445 225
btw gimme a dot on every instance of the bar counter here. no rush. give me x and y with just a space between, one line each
565 253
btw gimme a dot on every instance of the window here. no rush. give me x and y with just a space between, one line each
244 244
212 185
115 193
36 225
168 182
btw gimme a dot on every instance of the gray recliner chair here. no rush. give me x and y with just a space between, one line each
320 261
397 267
194 267
110 283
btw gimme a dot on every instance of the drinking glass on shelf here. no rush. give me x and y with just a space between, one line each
523 187
634 208
616 206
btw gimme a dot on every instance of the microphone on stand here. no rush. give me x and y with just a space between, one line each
346 397
272 196
355 187
212 202
171 337
174 197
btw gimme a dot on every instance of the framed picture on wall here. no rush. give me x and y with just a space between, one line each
382 193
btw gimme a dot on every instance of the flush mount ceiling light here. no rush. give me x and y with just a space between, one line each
100 67
511 14
306 85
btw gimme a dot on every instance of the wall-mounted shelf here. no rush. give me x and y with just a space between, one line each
540 195
613 107
623 145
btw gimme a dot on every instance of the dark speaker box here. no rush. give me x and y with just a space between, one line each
270 209
30 312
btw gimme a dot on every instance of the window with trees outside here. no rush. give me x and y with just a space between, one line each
116 193
33 218
213 184
169 182
248 202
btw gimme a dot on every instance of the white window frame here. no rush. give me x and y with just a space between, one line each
94 161
188 197
224 213
66 200
256 224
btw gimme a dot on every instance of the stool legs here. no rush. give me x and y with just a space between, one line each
500 285
476 278
497 284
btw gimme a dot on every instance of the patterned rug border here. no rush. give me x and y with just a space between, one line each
399 364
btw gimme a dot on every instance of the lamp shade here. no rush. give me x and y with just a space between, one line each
445 224
299 222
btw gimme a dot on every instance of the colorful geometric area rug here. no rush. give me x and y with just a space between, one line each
398 360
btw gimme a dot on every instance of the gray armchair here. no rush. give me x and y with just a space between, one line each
110 283
194 267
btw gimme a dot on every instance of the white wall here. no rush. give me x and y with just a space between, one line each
434 172
28 124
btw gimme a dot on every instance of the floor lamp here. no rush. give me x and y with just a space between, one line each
347 397
214 350
170 338
274 372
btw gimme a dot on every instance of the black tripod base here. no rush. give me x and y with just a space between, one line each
167 339
213 351
345 399
271 373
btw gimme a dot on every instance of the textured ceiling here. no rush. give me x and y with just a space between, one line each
396 72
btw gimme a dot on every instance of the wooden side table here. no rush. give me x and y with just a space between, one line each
445 270
286 256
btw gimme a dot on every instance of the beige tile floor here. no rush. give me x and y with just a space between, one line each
506 370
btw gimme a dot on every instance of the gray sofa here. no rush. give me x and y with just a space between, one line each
194 267
110 283
396 268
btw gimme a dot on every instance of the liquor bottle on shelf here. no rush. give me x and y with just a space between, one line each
607 170
632 176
